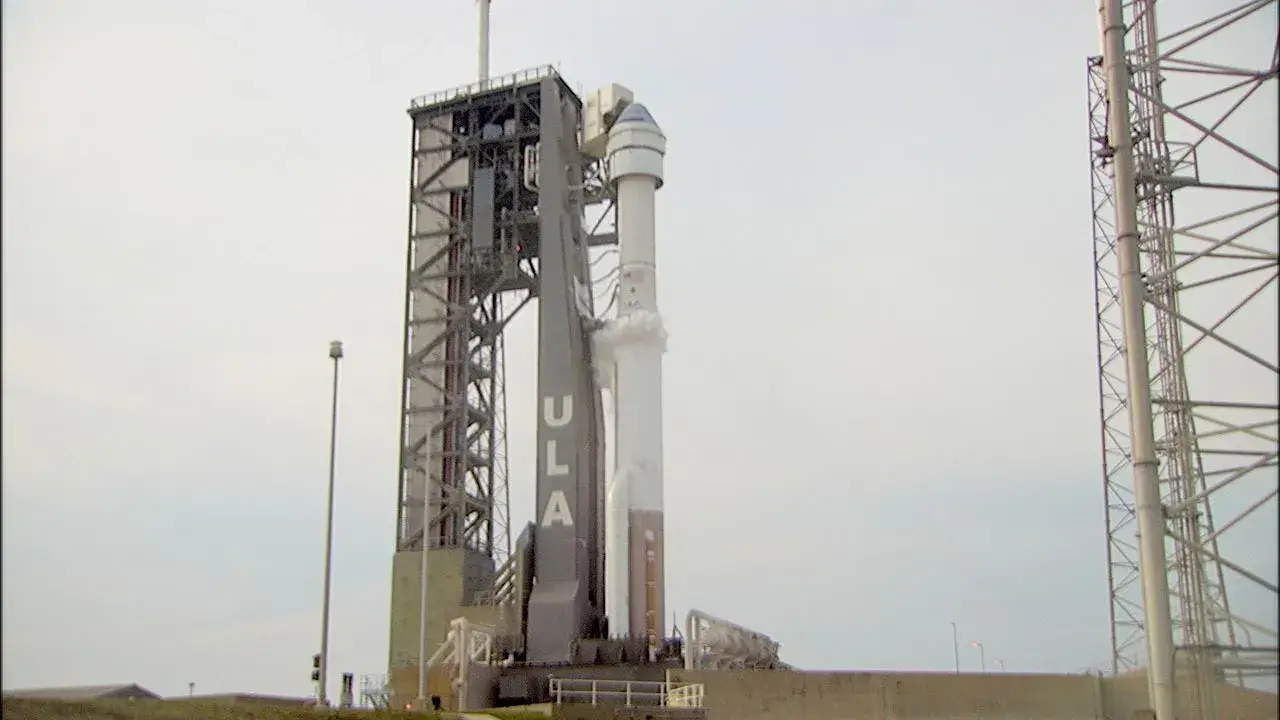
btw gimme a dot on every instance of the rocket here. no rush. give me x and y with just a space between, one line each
634 553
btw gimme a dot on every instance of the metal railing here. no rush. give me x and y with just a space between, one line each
516 78
686 696
715 643
627 693
374 692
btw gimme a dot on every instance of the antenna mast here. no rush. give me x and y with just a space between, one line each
484 39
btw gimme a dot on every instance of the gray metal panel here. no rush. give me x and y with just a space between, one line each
482 180
566 601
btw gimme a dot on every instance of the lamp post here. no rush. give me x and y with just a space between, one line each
955 645
982 654
999 664
424 569
322 693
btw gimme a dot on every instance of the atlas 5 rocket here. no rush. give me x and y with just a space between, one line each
635 584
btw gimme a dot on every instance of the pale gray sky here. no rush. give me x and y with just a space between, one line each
875 269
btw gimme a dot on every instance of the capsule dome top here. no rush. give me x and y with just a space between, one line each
636 113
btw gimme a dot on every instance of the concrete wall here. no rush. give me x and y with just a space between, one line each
1123 696
748 695
1238 702
445 588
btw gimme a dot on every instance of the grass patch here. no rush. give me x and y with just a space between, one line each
21 709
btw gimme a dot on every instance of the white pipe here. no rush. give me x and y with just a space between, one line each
1146 483
691 643
617 573
424 568
463 649
615 495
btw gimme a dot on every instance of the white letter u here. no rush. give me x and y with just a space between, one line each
549 415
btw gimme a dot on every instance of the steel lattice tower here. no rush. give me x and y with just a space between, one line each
1199 91
454 409
471 267
484 209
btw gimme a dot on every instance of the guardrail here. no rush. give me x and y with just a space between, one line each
374 691
686 696
627 693
516 78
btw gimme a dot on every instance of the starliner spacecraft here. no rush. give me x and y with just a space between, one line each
505 173
634 342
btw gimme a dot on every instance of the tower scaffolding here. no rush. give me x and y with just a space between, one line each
471 268
1200 96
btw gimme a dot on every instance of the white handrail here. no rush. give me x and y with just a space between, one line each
628 693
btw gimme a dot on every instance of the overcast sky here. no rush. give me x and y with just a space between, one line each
875 266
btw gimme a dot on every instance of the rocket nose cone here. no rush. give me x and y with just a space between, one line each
636 113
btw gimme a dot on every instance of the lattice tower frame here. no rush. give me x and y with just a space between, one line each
1199 108
461 296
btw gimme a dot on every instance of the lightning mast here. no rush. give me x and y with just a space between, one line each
1185 110
483 7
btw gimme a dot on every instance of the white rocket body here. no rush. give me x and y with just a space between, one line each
635 587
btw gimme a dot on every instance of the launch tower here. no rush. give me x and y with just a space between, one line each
497 199
503 174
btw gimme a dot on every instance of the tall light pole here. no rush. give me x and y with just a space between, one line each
982 654
999 664
322 693
955 645
423 637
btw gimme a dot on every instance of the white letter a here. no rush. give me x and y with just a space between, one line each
557 510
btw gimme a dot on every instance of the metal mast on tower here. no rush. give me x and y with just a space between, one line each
1190 190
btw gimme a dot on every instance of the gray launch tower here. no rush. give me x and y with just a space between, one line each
497 200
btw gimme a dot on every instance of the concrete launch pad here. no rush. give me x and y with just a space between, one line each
505 172
609 693
756 695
